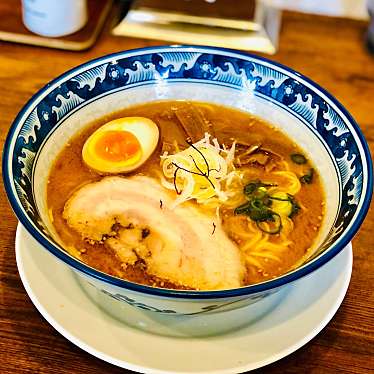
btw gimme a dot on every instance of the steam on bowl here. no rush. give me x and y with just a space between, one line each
300 108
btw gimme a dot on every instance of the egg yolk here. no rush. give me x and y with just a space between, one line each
117 146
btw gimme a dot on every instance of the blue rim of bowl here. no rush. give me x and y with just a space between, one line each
190 294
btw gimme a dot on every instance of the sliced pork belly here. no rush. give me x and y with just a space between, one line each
134 218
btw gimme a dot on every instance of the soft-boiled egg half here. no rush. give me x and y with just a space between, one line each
121 145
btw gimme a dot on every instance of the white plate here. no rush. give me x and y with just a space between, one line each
301 315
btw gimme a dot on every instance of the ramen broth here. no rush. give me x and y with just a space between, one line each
269 243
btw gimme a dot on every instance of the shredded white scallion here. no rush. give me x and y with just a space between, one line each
204 171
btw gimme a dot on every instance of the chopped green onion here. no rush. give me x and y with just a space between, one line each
298 158
255 186
257 208
307 178
275 229
295 206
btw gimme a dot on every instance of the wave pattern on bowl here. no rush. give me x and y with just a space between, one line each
175 65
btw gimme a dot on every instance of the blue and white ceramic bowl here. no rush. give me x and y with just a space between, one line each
302 109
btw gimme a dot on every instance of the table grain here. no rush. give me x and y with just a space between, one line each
331 52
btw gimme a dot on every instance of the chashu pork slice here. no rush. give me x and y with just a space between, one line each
181 245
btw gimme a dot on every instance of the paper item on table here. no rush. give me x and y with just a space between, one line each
257 29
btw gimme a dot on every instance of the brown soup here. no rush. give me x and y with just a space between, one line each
272 216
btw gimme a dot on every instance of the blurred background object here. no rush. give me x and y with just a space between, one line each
250 25
12 28
355 9
54 17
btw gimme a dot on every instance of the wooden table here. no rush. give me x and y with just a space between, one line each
331 52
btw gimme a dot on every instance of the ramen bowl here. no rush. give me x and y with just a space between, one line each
308 114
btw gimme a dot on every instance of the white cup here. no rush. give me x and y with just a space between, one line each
54 18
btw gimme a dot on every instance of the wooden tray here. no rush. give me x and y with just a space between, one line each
12 28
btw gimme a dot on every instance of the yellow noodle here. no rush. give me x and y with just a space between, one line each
50 215
251 261
252 242
293 184
264 251
73 251
266 255
176 146
212 203
283 165
265 245
244 235
287 227
233 203
303 208
253 227
272 246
